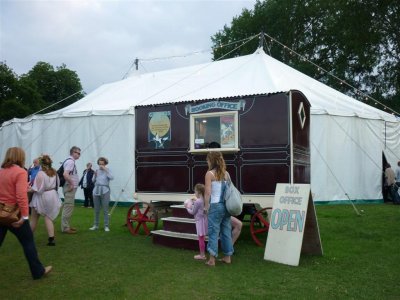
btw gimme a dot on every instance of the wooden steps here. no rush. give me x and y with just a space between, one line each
180 212
179 231
176 224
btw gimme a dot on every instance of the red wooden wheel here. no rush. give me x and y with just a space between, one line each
141 214
259 226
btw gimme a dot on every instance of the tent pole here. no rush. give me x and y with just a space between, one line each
291 137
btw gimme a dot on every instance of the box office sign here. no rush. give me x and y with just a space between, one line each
293 226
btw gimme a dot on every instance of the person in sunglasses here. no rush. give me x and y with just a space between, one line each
69 189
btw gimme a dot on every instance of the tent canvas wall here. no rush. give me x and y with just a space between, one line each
347 136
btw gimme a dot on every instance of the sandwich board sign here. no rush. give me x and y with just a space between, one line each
293 227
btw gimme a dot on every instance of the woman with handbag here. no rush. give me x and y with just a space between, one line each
219 220
13 192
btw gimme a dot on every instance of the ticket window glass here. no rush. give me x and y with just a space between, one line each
214 131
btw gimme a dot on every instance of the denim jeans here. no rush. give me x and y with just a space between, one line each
25 237
101 201
219 225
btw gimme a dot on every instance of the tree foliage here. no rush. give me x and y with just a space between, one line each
357 41
44 85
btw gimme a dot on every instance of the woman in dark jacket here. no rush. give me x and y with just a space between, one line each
86 183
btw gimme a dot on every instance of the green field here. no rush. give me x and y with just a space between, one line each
361 261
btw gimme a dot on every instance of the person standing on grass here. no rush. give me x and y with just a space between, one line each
33 170
69 189
398 174
219 220
13 190
45 199
86 183
390 180
101 193
197 209
236 229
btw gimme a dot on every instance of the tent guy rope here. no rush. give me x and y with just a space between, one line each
187 76
358 91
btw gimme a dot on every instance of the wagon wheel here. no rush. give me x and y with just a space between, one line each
141 214
259 226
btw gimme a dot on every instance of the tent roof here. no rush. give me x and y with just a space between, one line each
252 74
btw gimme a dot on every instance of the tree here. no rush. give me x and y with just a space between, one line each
356 41
39 88
11 103
8 82
56 84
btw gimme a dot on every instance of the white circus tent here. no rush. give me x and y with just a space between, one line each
348 137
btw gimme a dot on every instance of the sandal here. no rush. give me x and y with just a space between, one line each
200 257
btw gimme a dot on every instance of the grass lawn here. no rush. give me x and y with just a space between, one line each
361 261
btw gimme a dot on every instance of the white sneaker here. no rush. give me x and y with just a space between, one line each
106 229
94 227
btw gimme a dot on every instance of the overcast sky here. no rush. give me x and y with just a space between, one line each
100 39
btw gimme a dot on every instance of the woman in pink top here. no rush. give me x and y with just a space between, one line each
13 190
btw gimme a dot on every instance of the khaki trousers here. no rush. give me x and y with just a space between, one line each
68 207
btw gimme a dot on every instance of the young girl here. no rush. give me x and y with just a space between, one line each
197 209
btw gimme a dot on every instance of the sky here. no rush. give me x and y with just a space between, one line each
100 39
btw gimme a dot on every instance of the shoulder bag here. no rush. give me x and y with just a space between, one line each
8 213
233 198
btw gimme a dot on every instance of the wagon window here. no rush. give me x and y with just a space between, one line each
217 131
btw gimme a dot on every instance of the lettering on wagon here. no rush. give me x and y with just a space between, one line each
192 109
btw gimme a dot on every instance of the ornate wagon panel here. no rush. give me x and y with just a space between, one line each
273 143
